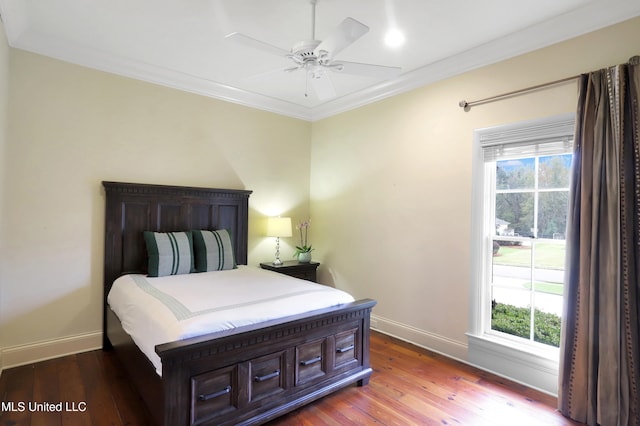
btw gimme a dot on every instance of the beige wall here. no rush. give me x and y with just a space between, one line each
4 102
72 127
391 184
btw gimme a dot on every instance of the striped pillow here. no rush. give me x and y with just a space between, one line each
170 253
213 250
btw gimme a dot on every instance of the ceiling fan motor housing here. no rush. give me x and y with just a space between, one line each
303 51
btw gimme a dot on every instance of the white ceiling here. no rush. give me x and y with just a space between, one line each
181 44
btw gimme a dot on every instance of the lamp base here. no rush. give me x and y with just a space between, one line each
277 262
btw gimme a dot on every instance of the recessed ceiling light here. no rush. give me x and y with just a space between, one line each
394 38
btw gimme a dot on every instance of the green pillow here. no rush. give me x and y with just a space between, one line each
170 253
213 250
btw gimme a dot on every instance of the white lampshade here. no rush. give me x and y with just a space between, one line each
279 227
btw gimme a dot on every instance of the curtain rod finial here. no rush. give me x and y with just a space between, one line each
463 104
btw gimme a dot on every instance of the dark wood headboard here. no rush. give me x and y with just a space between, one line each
132 208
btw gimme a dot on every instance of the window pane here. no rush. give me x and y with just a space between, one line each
548 278
547 316
511 312
550 257
552 214
511 264
511 254
514 211
554 171
515 174
511 288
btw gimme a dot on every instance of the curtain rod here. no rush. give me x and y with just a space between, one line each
467 105
634 60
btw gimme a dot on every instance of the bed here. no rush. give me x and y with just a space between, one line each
246 374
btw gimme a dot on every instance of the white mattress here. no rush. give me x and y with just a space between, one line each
166 309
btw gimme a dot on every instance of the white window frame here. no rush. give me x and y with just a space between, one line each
528 362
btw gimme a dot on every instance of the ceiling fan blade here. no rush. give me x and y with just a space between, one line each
347 32
321 84
270 73
257 44
371 70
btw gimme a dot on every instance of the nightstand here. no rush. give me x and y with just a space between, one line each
306 271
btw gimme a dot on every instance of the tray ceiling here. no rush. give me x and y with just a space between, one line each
182 44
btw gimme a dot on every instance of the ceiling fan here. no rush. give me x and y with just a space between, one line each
316 57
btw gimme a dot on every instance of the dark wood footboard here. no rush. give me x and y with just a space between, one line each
252 375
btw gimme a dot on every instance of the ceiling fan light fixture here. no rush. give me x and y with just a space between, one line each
394 38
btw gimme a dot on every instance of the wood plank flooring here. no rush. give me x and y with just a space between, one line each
409 386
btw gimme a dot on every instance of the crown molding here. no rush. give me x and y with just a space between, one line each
590 17
131 68
555 30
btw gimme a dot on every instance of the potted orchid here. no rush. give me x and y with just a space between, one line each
303 251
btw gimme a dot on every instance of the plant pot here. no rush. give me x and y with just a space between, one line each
304 257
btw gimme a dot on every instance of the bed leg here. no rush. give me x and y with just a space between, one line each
363 382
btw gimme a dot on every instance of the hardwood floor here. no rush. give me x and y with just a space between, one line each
409 386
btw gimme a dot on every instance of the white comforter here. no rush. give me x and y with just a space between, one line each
165 309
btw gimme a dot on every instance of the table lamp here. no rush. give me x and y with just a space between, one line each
278 227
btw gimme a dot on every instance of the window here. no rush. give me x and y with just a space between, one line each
526 229
521 192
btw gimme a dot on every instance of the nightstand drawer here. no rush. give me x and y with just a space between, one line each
293 268
305 275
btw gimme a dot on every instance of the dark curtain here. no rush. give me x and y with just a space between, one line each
600 351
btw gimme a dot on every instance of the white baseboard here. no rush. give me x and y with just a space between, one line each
433 342
530 371
49 349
